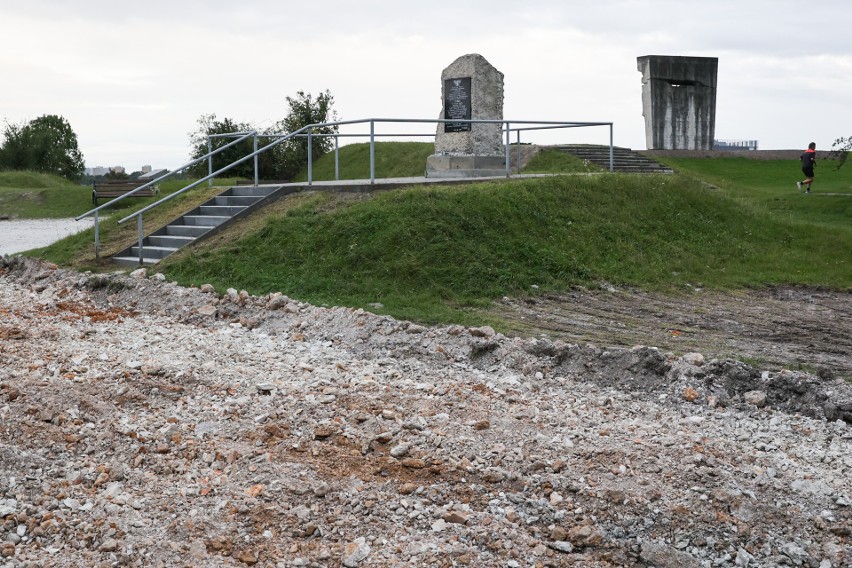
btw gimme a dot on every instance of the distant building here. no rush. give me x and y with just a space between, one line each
117 169
97 171
146 169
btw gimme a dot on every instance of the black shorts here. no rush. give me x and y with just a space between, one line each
809 171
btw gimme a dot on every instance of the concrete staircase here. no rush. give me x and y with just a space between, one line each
625 160
199 223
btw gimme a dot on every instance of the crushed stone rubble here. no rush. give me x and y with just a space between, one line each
146 424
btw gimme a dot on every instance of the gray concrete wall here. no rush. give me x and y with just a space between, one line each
678 101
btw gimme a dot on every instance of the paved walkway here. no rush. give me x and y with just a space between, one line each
393 183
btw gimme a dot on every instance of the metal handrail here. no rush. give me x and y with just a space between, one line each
96 210
538 125
139 214
307 131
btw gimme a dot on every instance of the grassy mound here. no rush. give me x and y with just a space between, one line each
427 253
431 254
392 159
408 159
31 180
30 194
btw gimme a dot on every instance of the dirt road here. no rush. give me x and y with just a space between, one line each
774 328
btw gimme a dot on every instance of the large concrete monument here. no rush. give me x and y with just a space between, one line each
471 89
678 101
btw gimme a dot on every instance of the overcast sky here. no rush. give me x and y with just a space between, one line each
133 79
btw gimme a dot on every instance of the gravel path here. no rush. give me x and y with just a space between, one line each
145 424
19 235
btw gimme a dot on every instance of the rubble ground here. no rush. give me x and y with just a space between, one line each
147 424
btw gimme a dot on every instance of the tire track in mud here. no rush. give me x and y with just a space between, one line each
783 327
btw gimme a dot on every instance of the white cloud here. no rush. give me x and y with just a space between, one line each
132 79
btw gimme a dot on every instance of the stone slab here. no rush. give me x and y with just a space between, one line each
465 166
485 103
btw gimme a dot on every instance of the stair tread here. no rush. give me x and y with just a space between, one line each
188 228
154 247
135 259
623 159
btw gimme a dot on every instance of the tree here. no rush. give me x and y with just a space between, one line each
840 150
304 110
208 125
285 160
47 144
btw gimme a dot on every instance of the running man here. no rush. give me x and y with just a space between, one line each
808 158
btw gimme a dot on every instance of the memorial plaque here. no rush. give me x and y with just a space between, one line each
471 89
457 104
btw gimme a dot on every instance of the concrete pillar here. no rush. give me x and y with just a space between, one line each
678 101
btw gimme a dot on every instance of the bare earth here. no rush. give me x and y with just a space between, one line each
145 424
780 327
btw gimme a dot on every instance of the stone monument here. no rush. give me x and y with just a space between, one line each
471 89
678 101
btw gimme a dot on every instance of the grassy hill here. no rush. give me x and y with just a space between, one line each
408 159
31 195
430 254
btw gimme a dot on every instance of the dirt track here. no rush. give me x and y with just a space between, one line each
775 328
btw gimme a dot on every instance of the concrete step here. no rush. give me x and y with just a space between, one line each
204 220
623 159
173 241
220 210
153 252
134 261
185 230
236 200
250 190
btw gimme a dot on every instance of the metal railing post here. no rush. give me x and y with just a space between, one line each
611 158
519 150
141 238
97 237
336 157
255 161
372 151
209 160
310 160
508 150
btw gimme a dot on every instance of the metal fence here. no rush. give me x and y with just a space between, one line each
509 127
747 145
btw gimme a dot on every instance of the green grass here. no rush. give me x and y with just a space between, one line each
29 195
428 254
408 159
770 187
392 159
438 253
549 161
